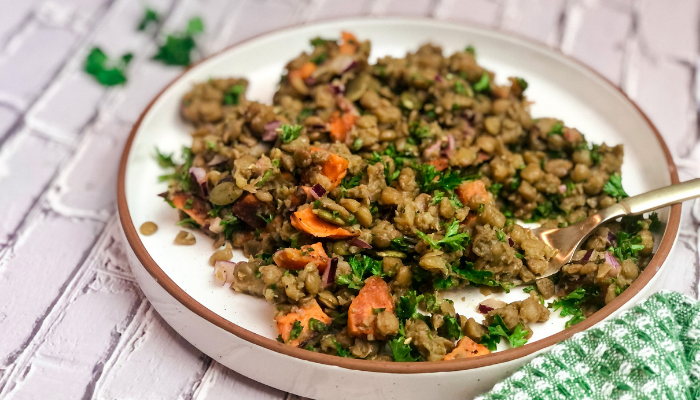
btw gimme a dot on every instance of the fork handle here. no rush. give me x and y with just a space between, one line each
657 198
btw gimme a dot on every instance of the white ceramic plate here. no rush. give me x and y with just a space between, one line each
558 86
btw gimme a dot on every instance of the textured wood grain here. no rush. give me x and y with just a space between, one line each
74 323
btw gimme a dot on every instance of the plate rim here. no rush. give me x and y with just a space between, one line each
182 297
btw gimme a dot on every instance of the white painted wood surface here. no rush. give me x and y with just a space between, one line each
73 323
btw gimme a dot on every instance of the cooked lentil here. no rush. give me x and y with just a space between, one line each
148 228
366 190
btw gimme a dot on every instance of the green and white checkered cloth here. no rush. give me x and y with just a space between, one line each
650 352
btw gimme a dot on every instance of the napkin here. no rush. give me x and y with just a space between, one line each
649 352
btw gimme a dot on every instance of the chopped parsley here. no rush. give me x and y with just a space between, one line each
460 88
479 277
452 327
317 326
182 176
319 59
399 244
188 222
149 17
106 72
290 132
320 42
655 225
522 83
483 85
613 187
233 95
342 352
498 329
304 114
401 351
378 310
453 240
571 304
430 179
495 188
362 266
557 129
178 47
470 49
165 161
627 246
407 306
500 235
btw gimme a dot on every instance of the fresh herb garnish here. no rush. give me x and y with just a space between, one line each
188 222
149 17
233 95
317 326
164 160
319 59
483 85
106 72
557 129
342 352
178 46
362 266
522 83
399 244
452 327
613 187
627 246
320 42
290 132
498 329
470 49
655 225
453 240
401 351
407 306
571 304
500 235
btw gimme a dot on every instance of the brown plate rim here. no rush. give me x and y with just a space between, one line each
387 366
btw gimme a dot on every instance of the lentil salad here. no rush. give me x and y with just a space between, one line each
365 191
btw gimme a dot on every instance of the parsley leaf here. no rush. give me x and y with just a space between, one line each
470 49
290 132
495 188
627 246
178 46
500 235
296 330
655 225
188 222
317 326
452 327
479 277
557 129
399 244
105 72
613 187
407 306
165 161
522 83
498 329
320 42
483 85
361 265
340 350
233 95
149 17
319 59
571 304
400 350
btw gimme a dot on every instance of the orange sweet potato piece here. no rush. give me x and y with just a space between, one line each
335 168
467 348
361 317
305 220
197 208
473 193
249 209
285 323
440 164
298 258
349 45
341 125
304 72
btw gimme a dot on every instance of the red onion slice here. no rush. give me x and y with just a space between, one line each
223 271
481 157
317 191
586 257
511 242
199 175
357 242
438 78
432 151
337 88
610 259
328 277
484 309
451 147
562 189
270 134
612 239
